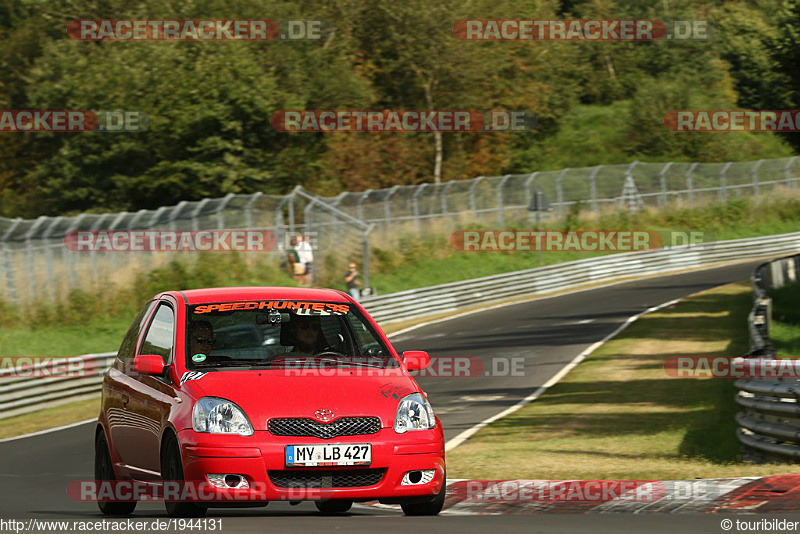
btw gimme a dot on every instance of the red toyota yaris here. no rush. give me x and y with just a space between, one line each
267 394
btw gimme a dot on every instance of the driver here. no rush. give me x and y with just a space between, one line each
201 338
307 335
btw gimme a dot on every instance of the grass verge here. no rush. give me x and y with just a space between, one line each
50 418
785 327
618 415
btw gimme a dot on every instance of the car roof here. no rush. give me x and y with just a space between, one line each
233 294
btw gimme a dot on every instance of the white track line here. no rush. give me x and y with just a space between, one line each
465 435
627 280
47 431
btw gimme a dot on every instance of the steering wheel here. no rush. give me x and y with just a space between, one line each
329 352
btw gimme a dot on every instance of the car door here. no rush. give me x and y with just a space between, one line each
116 390
150 397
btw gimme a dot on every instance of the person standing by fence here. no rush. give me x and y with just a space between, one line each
353 281
296 267
306 253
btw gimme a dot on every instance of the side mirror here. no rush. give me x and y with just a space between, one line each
149 364
416 360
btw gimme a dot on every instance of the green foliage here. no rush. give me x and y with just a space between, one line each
210 103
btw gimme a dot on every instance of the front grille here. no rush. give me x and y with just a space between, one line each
349 478
344 426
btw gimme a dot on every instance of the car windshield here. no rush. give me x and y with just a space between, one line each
276 334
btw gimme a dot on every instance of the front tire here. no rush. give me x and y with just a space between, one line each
428 508
104 470
334 506
172 470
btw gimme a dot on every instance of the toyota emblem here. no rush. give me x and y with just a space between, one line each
324 415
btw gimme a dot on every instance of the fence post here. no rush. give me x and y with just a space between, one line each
755 178
335 204
360 204
248 211
365 260
528 195
73 274
100 223
34 229
48 254
662 178
415 200
221 208
291 214
593 186
445 189
788 173
473 203
723 181
387 207
194 216
8 265
560 192
501 211
689 184
280 228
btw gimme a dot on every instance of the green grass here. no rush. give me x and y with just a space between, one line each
618 415
785 327
98 335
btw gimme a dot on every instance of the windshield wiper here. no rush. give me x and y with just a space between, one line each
234 363
363 364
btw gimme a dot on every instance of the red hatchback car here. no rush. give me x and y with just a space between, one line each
258 394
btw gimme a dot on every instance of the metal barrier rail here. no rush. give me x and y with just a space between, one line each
23 396
769 422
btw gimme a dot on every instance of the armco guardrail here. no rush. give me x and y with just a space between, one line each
29 388
769 422
35 394
416 303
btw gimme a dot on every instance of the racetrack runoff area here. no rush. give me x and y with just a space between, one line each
618 415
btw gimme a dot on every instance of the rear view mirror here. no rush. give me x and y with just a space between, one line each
149 364
416 360
273 317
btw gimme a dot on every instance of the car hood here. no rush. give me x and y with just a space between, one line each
270 393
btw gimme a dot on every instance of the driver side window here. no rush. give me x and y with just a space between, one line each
129 342
160 334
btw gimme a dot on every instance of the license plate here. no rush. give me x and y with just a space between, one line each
329 454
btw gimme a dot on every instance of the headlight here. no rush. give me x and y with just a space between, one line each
220 416
414 413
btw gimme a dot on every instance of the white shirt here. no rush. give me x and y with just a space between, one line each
304 251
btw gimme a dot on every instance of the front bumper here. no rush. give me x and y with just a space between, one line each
260 460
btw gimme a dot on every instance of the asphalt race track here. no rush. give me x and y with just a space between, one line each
548 333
